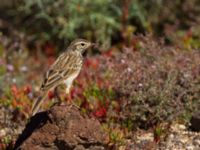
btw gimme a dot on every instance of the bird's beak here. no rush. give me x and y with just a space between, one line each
95 45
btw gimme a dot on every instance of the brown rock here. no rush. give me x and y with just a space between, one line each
195 121
62 128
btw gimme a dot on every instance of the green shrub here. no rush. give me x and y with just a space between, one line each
71 19
99 20
156 84
105 20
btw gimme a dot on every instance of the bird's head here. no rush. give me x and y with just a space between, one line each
80 45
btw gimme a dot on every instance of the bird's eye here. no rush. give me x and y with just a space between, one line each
82 44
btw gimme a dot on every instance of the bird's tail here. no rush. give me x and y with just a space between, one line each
37 103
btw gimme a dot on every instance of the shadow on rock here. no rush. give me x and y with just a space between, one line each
62 128
35 122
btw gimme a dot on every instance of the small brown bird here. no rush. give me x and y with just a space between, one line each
64 70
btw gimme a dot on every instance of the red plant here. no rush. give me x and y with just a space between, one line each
91 62
51 94
15 91
27 89
108 53
49 49
100 112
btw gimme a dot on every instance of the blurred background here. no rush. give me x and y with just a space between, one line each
106 21
147 61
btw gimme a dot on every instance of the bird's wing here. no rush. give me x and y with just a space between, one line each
66 65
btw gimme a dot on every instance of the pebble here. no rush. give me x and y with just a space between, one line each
179 138
2 132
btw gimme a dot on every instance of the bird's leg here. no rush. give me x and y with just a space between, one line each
69 97
67 90
58 98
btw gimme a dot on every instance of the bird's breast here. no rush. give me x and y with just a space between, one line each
71 78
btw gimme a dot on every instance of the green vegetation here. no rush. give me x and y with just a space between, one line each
108 21
130 82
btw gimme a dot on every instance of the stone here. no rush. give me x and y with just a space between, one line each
62 128
195 121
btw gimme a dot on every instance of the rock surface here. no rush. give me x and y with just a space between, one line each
195 121
179 138
176 137
62 128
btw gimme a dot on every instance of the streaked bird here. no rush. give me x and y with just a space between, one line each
64 70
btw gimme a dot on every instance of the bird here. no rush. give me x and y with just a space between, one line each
64 70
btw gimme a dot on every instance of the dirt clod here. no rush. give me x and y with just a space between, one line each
62 127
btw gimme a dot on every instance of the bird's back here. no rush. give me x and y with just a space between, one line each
66 65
